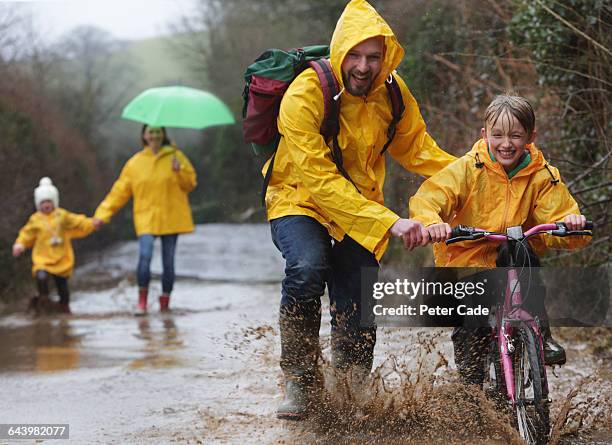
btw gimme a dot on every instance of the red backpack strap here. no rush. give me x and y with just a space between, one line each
330 126
397 109
331 123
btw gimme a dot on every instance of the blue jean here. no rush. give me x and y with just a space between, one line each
312 260
143 272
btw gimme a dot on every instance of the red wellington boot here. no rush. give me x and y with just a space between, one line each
164 302
143 293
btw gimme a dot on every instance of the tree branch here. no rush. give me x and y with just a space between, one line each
572 27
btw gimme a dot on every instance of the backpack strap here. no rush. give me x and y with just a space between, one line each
330 126
397 109
266 180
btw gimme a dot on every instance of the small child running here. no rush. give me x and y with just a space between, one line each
503 181
48 233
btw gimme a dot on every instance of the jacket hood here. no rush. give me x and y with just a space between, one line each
480 153
359 22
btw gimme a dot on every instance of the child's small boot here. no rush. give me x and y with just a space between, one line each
33 307
164 302
143 293
554 354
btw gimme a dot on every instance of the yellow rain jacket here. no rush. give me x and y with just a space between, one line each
161 206
49 237
487 199
305 180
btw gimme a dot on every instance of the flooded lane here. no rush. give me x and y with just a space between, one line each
208 372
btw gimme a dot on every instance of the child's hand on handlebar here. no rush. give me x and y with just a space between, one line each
439 232
574 222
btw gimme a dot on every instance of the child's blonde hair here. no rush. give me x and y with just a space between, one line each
517 106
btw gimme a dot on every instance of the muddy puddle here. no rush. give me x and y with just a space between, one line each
208 371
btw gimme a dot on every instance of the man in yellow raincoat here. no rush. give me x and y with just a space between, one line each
326 227
49 233
504 181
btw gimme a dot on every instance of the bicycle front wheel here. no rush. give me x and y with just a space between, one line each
532 410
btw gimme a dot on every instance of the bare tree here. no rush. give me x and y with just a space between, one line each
91 82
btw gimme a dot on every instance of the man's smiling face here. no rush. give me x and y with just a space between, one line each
362 64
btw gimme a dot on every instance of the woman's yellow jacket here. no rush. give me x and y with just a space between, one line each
305 180
49 237
476 191
161 206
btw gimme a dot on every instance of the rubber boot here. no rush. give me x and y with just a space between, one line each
470 345
300 350
164 302
45 305
352 358
353 351
33 306
143 293
554 353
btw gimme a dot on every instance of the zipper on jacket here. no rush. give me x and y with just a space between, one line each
504 219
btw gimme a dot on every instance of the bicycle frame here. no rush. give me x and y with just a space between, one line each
513 323
512 314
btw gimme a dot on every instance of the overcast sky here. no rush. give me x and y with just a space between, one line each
124 19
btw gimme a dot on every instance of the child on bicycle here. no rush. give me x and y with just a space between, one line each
49 232
503 181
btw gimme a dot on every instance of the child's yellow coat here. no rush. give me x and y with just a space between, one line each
484 197
40 231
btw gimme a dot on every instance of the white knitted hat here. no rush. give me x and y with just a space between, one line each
46 191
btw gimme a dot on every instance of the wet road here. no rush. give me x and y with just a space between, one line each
208 372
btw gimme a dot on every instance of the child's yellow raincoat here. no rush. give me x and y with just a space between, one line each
476 191
49 237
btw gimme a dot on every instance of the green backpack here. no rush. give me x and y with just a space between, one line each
268 78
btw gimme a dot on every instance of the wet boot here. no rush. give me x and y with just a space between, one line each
470 345
299 331
141 309
45 305
352 358
353 351
33 306
554 354
164 302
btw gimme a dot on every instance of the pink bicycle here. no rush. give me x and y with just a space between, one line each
514 365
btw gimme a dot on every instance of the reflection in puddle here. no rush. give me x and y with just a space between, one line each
160 343
50 344
55 358
45 345
58 346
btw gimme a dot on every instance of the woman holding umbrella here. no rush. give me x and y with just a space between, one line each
158 178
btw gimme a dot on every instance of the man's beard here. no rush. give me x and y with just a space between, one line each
356 91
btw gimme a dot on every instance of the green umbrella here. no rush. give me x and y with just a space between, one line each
177 106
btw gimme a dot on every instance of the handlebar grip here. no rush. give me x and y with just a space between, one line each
457 239
461 231
588 225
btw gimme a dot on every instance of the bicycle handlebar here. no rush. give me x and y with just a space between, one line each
464 233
